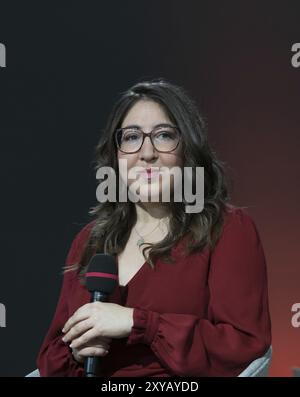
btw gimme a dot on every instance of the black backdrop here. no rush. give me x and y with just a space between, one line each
66 64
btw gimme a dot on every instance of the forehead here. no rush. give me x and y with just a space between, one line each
146 114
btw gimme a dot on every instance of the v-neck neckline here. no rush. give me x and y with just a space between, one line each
132 279
144 266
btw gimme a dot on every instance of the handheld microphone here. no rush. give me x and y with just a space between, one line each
100 280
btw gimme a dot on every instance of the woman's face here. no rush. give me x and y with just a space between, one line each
147 114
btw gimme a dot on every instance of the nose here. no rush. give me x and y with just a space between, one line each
147 151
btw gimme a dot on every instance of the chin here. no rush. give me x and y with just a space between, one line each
149 192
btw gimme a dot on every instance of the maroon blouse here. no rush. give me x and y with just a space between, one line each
206 314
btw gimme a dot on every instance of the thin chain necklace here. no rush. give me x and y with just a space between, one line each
141 239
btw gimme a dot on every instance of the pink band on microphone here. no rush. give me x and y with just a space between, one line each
102 275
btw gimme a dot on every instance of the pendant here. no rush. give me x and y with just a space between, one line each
140 242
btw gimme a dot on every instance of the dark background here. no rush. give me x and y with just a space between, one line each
66 65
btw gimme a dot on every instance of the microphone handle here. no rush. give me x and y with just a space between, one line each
98 296
91 364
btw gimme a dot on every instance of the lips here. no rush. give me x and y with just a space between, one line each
149 173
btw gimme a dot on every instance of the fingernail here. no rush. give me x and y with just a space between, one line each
63 330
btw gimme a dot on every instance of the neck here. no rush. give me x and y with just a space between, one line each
151 212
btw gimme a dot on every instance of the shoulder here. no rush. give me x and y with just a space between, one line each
84 233
238 259
238 219
79 242
239 231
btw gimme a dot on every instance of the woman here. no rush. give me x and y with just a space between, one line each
192 294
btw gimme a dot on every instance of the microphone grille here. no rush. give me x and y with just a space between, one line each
102 274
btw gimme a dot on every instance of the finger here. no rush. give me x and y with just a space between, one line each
98 343
105 339
81 314
92 351
92 343
77 330
84 339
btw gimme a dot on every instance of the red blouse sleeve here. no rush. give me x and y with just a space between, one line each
238 330
55 357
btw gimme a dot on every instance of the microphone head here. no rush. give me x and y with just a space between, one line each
102 274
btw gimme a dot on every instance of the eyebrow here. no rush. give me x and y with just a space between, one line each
156 126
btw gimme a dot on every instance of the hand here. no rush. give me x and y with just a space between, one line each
97 319
99 349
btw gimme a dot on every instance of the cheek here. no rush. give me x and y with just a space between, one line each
128 161
179 157
172 160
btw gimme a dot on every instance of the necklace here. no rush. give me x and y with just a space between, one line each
141 239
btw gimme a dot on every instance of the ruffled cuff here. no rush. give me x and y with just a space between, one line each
58 361
145 325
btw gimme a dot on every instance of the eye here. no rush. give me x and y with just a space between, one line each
166 135
130 136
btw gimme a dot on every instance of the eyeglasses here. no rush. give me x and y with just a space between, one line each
165 139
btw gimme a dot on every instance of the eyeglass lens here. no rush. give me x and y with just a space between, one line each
164 139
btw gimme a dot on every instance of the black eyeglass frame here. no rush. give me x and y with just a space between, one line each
150 134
